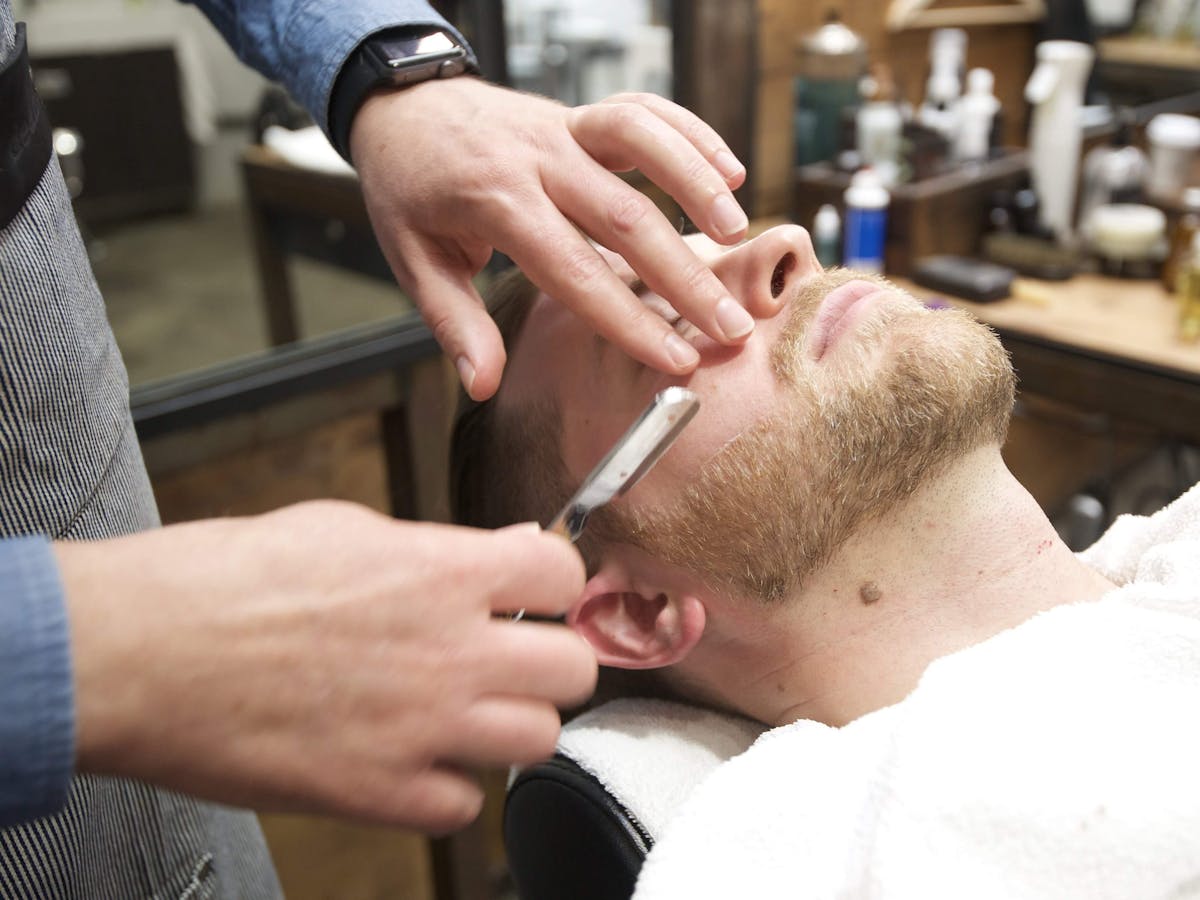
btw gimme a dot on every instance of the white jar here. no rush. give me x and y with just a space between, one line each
1174 140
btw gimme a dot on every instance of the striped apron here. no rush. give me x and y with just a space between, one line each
70 468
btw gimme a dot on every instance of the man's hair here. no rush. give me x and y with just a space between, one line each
505 465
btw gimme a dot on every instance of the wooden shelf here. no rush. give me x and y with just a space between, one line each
1142 51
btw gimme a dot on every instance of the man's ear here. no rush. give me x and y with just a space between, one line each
636 629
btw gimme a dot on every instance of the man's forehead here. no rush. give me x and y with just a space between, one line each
540 336
546 307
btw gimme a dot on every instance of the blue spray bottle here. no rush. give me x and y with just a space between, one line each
866 222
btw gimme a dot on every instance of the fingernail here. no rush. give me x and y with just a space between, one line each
524 528
466 372
733 319
728 216
727 164
682 353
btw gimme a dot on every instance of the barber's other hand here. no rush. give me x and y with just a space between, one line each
454 169
322 658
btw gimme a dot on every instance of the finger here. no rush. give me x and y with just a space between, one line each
623 136
533 570
564 265
702 135
455 313
437 800
626 221
502 731
542 661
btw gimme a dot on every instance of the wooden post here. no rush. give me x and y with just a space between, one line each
715 60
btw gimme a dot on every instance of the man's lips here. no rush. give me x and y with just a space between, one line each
840 309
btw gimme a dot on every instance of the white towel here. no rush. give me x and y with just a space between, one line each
1059 759
651 754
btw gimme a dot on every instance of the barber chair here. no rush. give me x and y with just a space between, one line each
567 836
580 825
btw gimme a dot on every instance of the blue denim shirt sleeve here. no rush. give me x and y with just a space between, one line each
303 43
37 715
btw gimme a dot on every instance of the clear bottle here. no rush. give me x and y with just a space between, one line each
1181 238
1189 293
826 235
878 123
1113 173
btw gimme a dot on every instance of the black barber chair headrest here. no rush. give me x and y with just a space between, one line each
567 838
579 826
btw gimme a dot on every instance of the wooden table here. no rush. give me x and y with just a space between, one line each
1103 344
298 210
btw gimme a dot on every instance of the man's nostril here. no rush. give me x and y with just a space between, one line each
779 276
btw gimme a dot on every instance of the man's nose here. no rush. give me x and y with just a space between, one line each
764 271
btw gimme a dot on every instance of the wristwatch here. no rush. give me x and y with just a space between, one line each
393 58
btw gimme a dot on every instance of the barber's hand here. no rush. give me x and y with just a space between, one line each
452 169
322 658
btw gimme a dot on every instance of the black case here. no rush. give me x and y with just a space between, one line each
961 276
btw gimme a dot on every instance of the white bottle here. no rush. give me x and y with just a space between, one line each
947 59
976 112
1056 91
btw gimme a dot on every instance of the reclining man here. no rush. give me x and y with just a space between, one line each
834 547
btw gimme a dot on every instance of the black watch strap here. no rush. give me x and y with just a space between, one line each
373 65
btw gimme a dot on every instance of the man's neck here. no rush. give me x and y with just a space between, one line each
968 556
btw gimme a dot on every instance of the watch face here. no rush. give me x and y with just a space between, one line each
408 51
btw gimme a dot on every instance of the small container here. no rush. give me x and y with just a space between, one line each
827 235
866 222
1189 293
1129 238
1174 140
